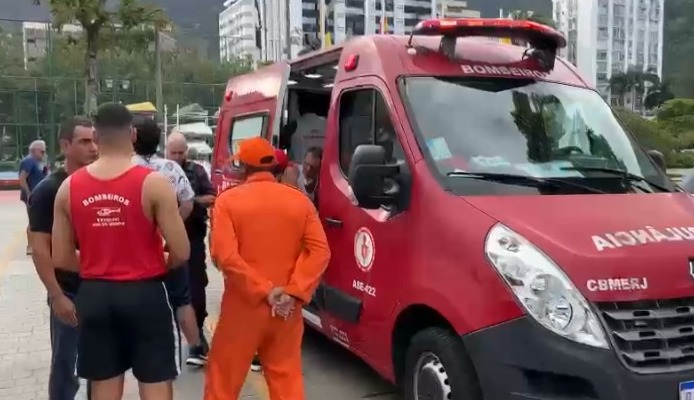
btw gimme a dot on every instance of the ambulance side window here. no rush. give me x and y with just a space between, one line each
385 131
245 127
364 119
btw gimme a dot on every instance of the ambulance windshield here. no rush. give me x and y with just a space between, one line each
525 129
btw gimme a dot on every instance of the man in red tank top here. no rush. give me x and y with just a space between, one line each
118 213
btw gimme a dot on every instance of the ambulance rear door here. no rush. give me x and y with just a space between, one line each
252 107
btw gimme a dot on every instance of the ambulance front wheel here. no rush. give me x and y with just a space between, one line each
437 367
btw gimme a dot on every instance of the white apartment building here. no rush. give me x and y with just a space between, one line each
237 29
344 19
607 37
455 9
403 15
36 38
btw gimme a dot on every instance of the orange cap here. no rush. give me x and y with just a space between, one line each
256 152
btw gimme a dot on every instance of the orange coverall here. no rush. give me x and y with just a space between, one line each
265 234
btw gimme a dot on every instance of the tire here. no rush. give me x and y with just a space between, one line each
437 367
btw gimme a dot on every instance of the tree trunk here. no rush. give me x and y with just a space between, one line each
91 92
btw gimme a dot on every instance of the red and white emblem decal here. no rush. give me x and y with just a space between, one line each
364 249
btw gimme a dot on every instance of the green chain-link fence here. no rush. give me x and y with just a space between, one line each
33 107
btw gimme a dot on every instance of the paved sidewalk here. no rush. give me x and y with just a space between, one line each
24 333
330 372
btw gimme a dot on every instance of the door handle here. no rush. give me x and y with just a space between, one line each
333 222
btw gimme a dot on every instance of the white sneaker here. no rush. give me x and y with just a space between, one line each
255 364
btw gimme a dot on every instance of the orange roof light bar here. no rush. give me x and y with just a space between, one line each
493 27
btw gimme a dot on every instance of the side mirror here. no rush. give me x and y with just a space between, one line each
371 179
658 158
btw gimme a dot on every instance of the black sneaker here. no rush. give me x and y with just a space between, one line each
205 343
255 364
197 356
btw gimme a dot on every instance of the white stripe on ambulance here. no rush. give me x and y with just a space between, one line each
494 70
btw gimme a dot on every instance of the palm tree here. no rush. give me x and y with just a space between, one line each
619 86
521 14
634 82
657 95
651 80
528 116
525 15
97 21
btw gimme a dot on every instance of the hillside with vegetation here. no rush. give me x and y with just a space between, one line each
678 51
196 21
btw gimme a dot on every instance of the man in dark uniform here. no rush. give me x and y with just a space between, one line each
196 228
78 147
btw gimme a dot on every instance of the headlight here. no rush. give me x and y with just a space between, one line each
542 287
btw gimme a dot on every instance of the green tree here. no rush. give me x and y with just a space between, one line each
670 133
676 117
541 19
188 77
529 118
657 95
520 14
32 101
676 108
96 19
11 54
532 16
647 132
634 83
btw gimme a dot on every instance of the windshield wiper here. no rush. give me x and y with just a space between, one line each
624 174
523 180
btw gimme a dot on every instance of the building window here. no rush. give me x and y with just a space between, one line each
417 10
355 24
389 5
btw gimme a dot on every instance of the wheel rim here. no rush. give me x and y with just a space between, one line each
430 379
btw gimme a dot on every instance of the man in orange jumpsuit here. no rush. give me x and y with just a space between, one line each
260 229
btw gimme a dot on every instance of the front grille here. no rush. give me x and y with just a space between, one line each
652 336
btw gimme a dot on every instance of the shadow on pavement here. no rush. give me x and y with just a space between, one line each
331 370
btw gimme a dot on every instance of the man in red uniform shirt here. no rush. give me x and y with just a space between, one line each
118 212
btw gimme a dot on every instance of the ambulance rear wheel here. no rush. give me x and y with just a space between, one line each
437 367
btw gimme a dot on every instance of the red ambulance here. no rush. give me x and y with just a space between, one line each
496 232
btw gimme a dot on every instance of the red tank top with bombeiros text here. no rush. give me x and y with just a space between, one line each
117 241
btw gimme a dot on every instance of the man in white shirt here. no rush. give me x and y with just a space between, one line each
177 283
146 146
309 170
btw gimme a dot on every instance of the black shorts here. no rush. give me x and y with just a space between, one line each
178 286
124 325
